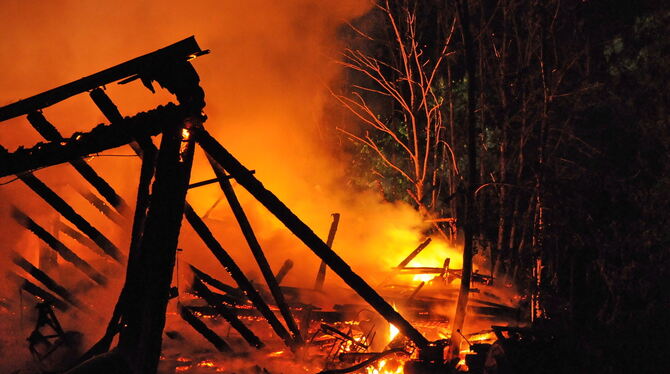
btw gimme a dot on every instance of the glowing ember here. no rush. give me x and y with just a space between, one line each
276 354
383 367
185 134
206 364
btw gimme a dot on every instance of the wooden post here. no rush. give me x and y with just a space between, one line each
321 275
144 309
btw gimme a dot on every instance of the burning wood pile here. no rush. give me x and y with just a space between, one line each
399 325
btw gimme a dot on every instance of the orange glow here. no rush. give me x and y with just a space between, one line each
393 331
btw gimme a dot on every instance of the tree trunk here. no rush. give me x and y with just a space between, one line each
470 208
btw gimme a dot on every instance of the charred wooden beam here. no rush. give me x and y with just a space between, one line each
147 297
50 133
147 170
99 139
141 67
445 268
227 313
236 292
238 275
285 268
415 292
208 181
414 253
66 211
321 275
80 238
336 332
205 331
307 236
257 251
420 270
39 292
112 113
58 246
103 207
47 281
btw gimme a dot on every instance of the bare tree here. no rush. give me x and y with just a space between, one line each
410 136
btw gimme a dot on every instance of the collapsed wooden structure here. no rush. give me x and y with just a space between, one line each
139 315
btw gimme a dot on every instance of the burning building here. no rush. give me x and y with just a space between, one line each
107 277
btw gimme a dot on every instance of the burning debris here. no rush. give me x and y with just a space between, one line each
398 326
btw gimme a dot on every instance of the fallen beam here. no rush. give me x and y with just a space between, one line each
37 291
227 313
335 332
414 253
244 177
229 264
321 275
205 331
257 251
235 292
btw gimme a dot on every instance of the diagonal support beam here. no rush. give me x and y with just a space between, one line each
256 250
38 291
50 133
238 275
58 246
47 281
66 211
227 313
244 177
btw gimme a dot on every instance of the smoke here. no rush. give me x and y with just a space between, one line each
266 83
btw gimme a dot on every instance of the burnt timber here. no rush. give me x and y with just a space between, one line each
144 68
101 138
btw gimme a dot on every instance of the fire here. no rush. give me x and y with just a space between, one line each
185 134
393 332
276 354
382 367
206 364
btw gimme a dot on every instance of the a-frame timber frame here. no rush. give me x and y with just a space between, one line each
139 315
